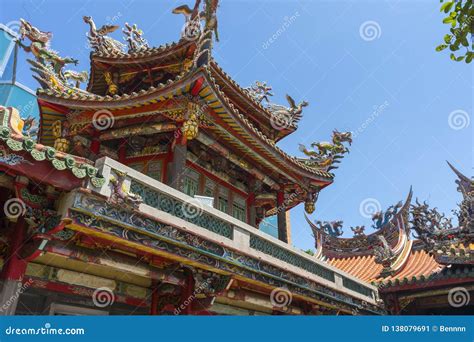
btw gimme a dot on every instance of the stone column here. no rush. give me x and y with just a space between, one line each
178 163
281 216
13 270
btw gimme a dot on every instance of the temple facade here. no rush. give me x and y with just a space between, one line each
143 192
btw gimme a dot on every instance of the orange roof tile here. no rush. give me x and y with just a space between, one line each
419 263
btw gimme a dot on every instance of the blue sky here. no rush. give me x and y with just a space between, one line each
386 83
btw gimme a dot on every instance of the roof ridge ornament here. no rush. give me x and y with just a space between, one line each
48 64
429 224
192 29
259 91
134 38
328 153
99 41
381 218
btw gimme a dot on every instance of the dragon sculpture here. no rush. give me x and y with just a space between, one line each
48 65
259 91
134 38
292 114
465 213
30 128
328 153
120 192
333 228
381 218
99 40
429 224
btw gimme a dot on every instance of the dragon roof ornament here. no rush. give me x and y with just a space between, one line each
390 224
48 64
328 153
449 243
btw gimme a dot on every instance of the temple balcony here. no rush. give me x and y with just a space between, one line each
139 215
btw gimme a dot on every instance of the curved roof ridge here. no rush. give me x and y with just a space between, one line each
260 134
339 247
259 105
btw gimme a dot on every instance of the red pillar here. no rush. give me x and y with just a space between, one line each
281 216
95 143
154 300
14 269
122 150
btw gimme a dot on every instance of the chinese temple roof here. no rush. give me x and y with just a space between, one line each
391 256
161 84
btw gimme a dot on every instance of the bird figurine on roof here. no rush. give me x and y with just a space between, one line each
194 16
293 113
99 40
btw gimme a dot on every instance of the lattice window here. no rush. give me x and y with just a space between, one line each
239 208
137 166
191 182
209 188
154 169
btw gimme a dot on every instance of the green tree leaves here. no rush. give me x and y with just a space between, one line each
461 19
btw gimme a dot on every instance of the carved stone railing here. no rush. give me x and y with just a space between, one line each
176 209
